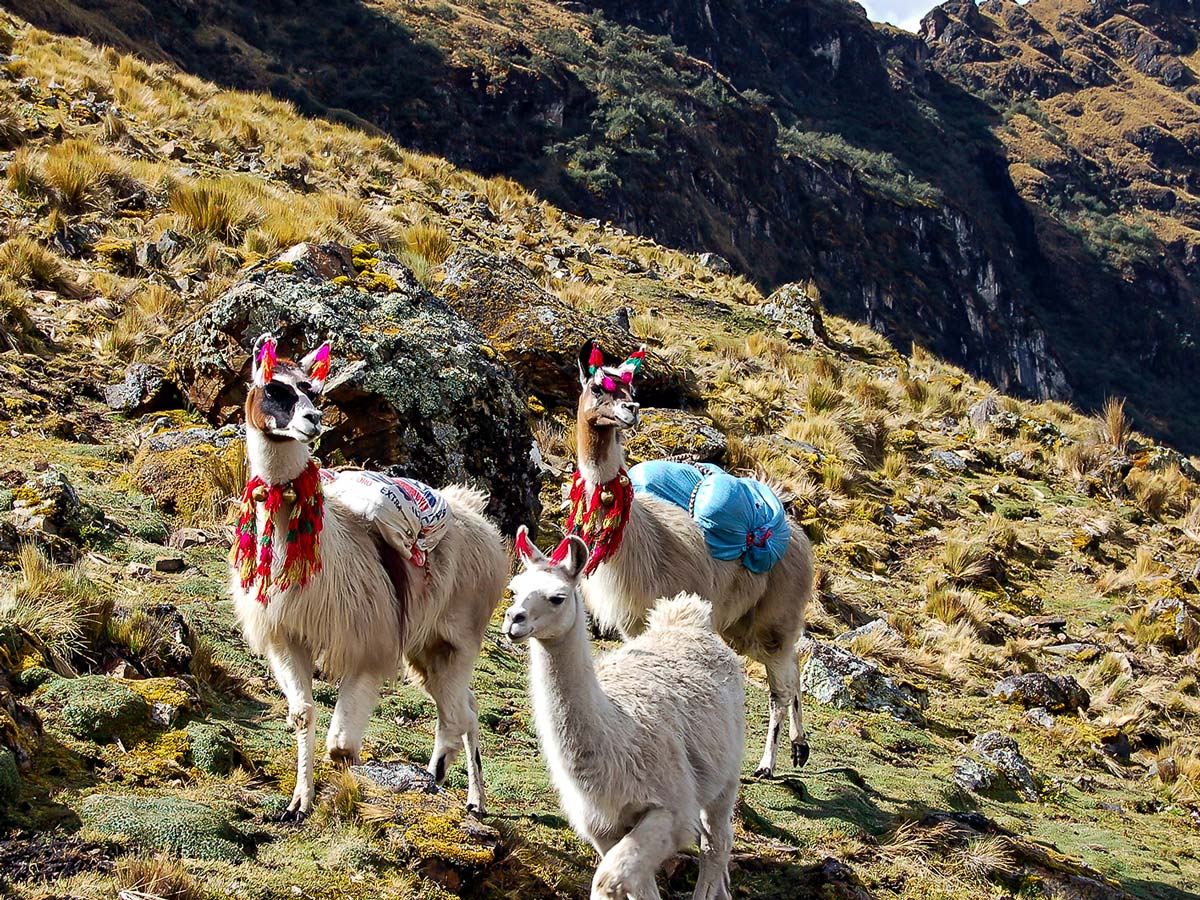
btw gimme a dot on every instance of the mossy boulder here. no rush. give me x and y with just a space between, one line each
214 748
539 334
176 465
166 824
665 433
168 698
10 779
414 384
93 707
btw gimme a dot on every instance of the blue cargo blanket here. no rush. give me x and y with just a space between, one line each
741 518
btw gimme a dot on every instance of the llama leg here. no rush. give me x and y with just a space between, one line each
716 843
629 868
783 679
447 674
475 797
357 696
293 668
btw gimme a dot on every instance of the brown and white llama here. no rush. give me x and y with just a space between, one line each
644 548
315 583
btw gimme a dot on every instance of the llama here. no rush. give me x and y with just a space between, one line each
645 745
644 548
315 583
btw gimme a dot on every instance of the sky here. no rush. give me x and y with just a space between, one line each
904 14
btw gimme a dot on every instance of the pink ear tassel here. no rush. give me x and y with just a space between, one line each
320 369
524 546
266 361
561 551
609 384
627 377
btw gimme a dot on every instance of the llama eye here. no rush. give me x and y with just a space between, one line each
281 394
597 390
557 599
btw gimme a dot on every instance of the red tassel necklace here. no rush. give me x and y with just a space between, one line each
600 518
253 553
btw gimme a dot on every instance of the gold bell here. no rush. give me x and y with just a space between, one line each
260 493
607 498
289 495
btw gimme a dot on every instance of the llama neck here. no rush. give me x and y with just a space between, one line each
600 452
275 462
573 714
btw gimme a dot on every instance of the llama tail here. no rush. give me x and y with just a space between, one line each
682 611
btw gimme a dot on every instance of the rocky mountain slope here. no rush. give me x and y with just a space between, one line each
1002 689
902 178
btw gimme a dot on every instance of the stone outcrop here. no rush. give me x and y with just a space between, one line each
416 389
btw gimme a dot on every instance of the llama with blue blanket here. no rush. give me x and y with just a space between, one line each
665 528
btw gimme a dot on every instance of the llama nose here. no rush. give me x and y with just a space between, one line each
314 416
518 617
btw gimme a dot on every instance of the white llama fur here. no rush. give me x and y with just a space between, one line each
348 620
645 744
663 553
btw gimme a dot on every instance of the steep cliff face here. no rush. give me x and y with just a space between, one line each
796 139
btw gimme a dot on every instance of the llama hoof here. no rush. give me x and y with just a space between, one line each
799 753
294 816
763 772
344 757
477 810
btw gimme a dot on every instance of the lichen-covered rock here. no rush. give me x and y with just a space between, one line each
798 313
214 748
145 388
175 465
168 698
1003 753
166 824
414 387
664 433
398 777
10 779
539 334
94 708
836 677
1057 693
48 503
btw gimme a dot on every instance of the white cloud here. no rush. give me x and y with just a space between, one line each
904 14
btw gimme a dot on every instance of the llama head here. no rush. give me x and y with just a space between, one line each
282 398
545 593
606 399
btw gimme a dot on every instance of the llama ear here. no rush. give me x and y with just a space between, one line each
316 366
591 359
571 555
527 551
262 360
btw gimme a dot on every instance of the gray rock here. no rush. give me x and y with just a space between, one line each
428 393
947 459
666 433
138 570
170 564
540 335
1059 693
716 263
1002 752
48 503
399 777
973 775
836 677
1040 716
185 538
145 388
798 314
982 412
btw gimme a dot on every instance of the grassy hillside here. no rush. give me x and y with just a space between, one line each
1022 538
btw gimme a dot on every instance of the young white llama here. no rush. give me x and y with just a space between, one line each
662 552
324 588
645 745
